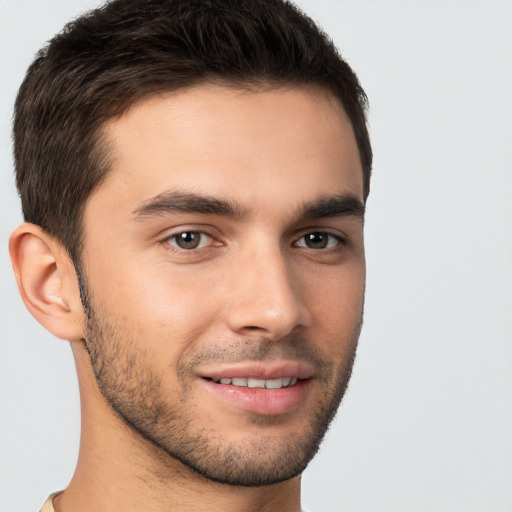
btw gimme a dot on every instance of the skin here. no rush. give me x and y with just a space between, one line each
258 290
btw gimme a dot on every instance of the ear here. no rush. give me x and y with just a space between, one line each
47 281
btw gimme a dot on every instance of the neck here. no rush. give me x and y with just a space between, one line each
119 470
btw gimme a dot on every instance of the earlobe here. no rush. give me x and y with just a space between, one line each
47 281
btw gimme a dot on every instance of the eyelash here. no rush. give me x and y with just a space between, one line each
330 238
338 240
200 245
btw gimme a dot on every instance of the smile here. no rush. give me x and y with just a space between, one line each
265 388
284 382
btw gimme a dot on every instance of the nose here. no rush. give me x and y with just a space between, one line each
265 296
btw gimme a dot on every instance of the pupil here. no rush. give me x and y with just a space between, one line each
316 240
188 240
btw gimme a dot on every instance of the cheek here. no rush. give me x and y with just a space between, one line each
336 303
169 306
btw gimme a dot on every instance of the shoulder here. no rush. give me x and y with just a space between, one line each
48 504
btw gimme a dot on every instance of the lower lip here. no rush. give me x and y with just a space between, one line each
261 401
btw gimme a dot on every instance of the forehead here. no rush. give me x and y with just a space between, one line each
250 145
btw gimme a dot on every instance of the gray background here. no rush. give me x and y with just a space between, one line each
427 422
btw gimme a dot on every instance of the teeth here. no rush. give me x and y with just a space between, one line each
284 382
276 383
255 383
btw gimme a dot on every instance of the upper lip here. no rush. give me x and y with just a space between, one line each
265 370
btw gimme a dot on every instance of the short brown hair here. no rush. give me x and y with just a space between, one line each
104 61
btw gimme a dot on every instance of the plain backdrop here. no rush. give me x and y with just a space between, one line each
427 421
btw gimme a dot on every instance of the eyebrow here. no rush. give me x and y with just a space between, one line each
183 202
340 205
180 202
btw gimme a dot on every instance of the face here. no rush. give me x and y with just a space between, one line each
224 270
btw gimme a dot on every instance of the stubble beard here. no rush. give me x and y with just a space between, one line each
135 393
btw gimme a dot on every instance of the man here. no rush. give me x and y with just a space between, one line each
193 177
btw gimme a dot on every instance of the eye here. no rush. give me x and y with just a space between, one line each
189 240
318 240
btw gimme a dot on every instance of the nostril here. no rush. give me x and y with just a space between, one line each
252 329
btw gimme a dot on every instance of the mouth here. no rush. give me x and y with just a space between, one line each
256 383
271 388
269 374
